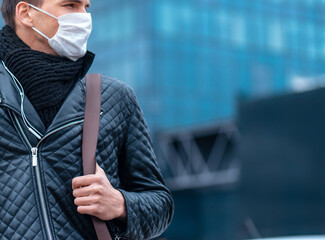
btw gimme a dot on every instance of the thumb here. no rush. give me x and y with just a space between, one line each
99 170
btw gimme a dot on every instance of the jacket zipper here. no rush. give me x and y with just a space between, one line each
34 150
41 194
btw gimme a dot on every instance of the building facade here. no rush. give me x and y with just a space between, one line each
190 60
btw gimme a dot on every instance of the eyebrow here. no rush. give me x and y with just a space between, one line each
77 1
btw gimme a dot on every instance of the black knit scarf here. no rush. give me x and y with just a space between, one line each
46 79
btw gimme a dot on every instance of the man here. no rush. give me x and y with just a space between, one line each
43 194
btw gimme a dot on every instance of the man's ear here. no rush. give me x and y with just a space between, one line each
24 15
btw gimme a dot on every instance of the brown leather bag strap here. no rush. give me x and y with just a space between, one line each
89 139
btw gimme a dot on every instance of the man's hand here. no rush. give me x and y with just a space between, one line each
94 195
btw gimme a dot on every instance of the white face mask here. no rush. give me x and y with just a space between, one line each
71 38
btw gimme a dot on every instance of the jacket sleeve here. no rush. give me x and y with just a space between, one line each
149 204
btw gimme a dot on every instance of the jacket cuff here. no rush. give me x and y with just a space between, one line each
119 228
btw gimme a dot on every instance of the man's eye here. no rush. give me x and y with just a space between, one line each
71 5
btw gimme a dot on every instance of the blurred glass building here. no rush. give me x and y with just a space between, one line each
190 60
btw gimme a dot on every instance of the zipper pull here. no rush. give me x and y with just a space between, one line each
34 155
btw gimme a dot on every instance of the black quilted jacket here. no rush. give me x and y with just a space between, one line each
36 199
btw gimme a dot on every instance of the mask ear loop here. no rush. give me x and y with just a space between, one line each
41 10
30 128
39 32
49 14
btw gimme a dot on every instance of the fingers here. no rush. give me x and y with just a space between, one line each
85 181
82 192
94 195
87 201
90 210
87 191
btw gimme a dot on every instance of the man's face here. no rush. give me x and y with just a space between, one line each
49 25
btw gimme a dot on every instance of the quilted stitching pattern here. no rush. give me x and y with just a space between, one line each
61 165
123 136
19 217
149 212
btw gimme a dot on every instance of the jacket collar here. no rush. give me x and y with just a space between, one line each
10 97
74 105
71 109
